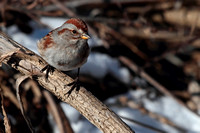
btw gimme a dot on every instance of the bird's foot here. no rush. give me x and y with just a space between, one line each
74 84
49 69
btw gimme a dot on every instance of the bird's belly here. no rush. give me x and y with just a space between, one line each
66 61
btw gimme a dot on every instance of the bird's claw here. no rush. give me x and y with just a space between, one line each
74 84
48 69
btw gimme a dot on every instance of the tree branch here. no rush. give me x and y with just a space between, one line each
89 106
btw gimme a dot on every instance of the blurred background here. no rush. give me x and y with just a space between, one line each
144 63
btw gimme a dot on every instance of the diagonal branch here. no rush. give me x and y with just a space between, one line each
89 106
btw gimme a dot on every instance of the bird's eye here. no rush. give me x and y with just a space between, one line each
74 31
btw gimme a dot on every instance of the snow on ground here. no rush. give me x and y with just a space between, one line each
175 112
170 109
105 64
138 116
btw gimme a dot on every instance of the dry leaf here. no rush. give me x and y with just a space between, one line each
18 82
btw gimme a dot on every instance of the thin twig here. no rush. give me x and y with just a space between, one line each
65 120
144 125
9 94
123 39
146 76
6 120
63 8
54 111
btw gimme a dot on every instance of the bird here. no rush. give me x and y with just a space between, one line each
66 48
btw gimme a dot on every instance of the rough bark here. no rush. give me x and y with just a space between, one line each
28 63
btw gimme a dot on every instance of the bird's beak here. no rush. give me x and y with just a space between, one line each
85 36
